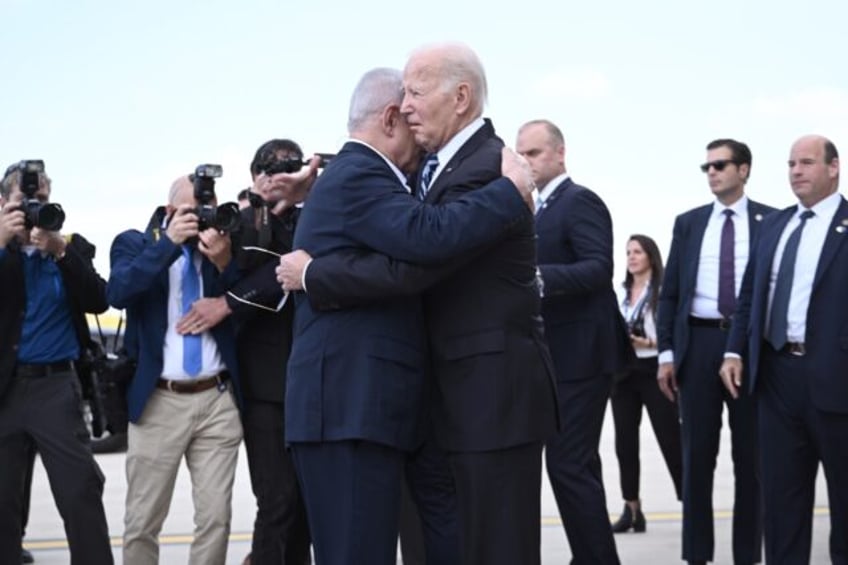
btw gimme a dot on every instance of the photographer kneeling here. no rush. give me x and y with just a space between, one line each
180 400
48 283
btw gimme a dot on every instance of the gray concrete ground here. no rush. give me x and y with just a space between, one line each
660 545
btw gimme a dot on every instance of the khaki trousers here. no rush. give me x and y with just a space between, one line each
205 428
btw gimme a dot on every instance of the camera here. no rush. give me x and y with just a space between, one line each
637 327
47 216
292 165
225 217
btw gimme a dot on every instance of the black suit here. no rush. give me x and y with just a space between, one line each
803 400
263 339
44 410
588 341
698 354
494 400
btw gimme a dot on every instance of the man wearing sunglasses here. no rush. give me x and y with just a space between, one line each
709 251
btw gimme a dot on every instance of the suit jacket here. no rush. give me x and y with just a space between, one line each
359 373
681 274
263 335
138 282
586 333
494 375
826 337
86 292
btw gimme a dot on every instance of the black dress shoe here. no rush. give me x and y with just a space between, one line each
627 521
114 443
26 556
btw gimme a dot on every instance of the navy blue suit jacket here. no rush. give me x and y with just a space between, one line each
138 282
585 331
359 373
826 339
681 274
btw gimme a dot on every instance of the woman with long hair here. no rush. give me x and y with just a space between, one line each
638 387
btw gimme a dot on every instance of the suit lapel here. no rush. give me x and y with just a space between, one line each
699 226
755 218
769 246
833 240
554 196
442 182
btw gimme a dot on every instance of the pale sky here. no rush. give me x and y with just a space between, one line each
120 98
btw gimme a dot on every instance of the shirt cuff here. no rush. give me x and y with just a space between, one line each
666 356
303 276
731 355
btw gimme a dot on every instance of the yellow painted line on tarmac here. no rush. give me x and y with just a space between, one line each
547 521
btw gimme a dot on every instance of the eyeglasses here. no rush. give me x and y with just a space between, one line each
719 164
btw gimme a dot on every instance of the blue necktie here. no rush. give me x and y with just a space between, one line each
783 287
427 175
192 350
726 270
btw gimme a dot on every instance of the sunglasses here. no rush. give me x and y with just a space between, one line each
719 165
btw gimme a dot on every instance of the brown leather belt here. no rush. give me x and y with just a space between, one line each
795 348
720 323
36 370
191 386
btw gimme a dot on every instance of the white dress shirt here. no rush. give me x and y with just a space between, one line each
705 301
806 263
629 313
173 349
541 195
446 153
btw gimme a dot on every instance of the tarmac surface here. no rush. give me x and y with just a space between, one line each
660 545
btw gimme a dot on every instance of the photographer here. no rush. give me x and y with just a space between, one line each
264 334
180 400
49 283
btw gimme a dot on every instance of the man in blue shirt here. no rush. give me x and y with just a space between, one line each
49 283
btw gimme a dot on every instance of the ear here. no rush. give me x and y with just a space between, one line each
463 98
744 170
389 119
833 168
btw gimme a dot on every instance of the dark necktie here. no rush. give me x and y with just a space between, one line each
192 350
783 286
726 273
427 175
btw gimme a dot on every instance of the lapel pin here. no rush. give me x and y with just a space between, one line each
840 229
845 222
758 217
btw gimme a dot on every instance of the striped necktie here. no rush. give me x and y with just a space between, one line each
430 166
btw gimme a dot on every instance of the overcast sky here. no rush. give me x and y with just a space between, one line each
120 98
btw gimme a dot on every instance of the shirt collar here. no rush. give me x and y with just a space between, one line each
543 193
401 177
740 207
824 208
446 153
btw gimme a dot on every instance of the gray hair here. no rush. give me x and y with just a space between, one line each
375 90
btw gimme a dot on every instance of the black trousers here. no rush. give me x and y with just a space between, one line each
702 398
574 468
47 412
280 532
498 497
794 437
637 389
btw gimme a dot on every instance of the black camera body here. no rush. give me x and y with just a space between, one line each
293 165
37 214
637 327
226 217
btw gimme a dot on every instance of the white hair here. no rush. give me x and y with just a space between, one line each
459 63
375 90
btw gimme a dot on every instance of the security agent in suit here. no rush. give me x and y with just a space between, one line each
48 283
182 399
356 384
494 397
585 333
709 250
790 331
